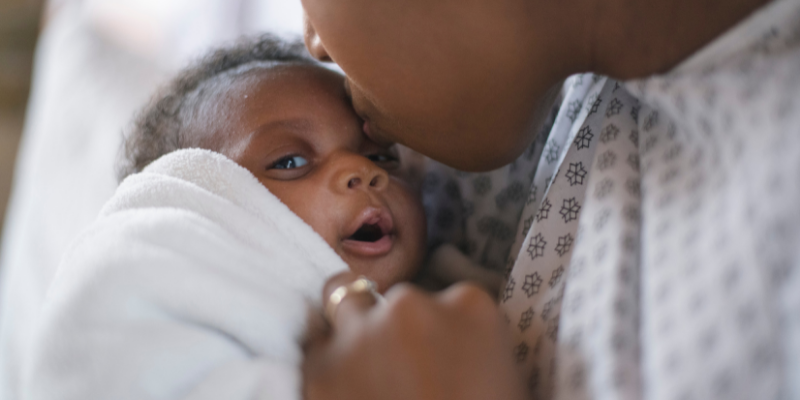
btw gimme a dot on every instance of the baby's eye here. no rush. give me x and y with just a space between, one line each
387 160
290 162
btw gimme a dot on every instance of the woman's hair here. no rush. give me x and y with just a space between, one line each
162 125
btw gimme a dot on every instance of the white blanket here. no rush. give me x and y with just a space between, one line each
194 283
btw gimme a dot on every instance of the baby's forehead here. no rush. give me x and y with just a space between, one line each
238 82
251 76
225 92
234 102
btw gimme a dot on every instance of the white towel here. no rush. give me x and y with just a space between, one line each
194 283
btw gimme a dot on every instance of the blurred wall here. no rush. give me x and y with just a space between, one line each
19 26
97 62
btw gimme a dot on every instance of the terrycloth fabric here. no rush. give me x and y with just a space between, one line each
194 283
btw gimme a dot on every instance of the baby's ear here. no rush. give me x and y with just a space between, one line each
447 265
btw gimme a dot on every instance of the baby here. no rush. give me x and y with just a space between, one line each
271 109
194 282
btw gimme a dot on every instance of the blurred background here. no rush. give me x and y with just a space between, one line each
19 28
72 75
163 33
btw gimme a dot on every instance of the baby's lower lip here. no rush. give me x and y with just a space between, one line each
379 247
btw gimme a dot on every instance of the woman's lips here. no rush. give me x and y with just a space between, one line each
372 134
368 130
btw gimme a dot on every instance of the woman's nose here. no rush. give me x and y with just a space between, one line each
357 172
313 42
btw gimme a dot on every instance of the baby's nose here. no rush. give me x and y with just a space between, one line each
358 172
354 182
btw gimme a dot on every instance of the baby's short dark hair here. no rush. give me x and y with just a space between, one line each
161 126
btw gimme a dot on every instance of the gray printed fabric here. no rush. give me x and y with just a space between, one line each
683 281
657 242
533 293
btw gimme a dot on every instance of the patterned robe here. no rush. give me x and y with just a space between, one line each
656 252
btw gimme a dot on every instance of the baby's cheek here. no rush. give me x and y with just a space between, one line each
324 224
416 216
315 209
415 230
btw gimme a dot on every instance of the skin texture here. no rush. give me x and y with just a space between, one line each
271 117
459 80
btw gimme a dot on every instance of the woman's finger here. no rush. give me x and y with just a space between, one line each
350 308
469 299
417 346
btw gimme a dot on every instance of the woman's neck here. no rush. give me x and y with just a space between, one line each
629 39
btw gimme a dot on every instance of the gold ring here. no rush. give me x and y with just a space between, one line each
360 285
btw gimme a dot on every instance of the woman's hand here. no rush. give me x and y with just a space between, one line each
453 345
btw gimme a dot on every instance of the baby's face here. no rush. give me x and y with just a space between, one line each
295 130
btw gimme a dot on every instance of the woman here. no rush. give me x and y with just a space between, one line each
459 82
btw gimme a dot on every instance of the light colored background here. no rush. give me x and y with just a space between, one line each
97 62
19 25
156 31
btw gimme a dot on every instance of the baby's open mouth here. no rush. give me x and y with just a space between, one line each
368 233
372 234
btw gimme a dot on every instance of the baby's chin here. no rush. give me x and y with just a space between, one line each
385 273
